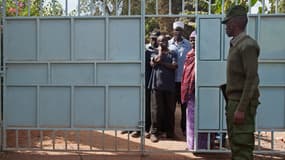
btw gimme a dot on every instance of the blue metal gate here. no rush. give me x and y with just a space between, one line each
64 74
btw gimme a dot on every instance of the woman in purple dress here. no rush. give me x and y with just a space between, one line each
188 97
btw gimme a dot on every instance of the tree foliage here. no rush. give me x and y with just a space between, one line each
37 8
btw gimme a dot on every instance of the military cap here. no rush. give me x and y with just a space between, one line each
234 11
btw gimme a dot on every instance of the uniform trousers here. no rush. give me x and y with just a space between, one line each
241 136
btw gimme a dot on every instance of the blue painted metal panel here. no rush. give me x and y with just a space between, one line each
22 110
272 38
54 107
124 39
272 108
27 73
210 49
72 73
269 70
55 39
123 106
21 36
118 73
209 108
89 107
90 38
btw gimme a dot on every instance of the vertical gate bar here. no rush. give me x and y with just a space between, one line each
72 45
4 138
103 140
272 139
156 7
90 139
3 10
258 28
116 140
223 5
258 135
116 8
17 7
209 7
91 7
183 7
107 38
196 7
1 69
49 73
78 139
29 8
53 7
142 105
17 139
276 8
94 73
221 140
38 106
129 148
71 106
37 38
107 107
53 140
208 140
66 7
41 8
29 138
65 140
263 6
129 7
78 8
41 139
169 7
249 6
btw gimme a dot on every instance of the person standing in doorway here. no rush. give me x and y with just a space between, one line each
162 86
181 46
151 48
242 83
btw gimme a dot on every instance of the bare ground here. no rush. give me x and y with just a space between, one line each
111 145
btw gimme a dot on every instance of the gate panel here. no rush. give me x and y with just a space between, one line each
211 72
73 73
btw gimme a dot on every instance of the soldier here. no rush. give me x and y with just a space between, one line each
242 84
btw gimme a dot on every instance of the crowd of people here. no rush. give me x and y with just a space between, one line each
170 82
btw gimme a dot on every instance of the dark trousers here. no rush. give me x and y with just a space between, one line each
183 107
162 112
241 137
147 110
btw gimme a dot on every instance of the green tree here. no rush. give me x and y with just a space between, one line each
37 7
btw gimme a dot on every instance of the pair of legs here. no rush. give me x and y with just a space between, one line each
241 137
183 107
162 113
202 141
147 115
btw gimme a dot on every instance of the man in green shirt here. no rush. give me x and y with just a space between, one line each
242 85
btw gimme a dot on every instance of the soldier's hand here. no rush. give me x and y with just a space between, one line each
239 117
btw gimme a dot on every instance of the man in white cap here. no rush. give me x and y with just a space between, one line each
181 46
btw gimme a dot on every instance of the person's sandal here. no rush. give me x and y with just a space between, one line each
154 138
136 134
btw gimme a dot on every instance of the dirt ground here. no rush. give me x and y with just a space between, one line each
111 145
